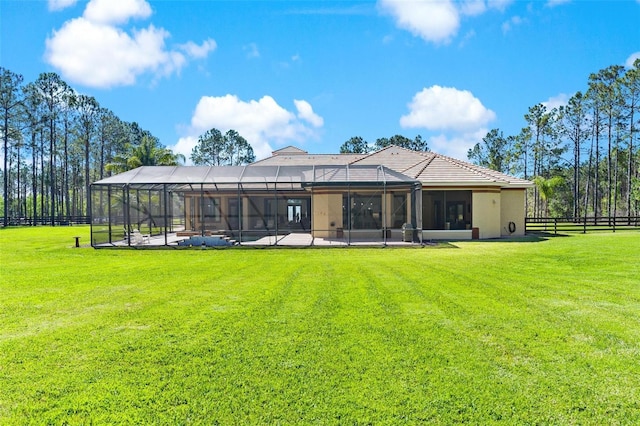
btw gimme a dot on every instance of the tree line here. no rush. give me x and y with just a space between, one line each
357 145
583 156
56 141
216 149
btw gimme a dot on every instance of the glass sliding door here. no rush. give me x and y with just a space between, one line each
446 210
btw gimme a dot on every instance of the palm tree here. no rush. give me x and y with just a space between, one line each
547 188
148 153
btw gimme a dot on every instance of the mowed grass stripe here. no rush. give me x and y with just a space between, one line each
482 332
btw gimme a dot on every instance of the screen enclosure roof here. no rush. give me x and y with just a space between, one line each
232 176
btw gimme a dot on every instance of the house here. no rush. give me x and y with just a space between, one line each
392 195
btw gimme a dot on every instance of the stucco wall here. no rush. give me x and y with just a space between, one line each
327 214
196 224
512 210
486 212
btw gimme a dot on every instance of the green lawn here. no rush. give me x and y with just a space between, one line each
528 332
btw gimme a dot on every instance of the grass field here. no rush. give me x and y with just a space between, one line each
527 332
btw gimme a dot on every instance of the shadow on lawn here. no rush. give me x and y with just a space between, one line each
536 237
544 235
530 238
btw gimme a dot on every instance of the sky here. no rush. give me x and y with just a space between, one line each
313 74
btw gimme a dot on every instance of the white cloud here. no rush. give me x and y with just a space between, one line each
55 5
305 112
435 21
94 50
252 50
500 5
632 58
553 3
468 36
260 122
184 146
472 7
456 146
116 12
512 22
199 51
99 55
446 108
459 116
557 101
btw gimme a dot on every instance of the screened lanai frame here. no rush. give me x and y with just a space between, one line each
254 205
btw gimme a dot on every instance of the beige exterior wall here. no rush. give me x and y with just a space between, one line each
512 210
196 224
486 204
387 210
492 211
326 214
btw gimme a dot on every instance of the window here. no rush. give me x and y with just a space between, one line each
455 215
294 210
234 210
365 211
446 210
399 212
211 209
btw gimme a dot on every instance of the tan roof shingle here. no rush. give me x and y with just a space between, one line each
309 160
427 167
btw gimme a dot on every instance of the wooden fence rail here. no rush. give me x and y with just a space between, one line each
532 224
62 221
557 225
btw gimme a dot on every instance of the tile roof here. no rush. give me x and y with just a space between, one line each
396 158
431 168
305 159
427 167
293 164
443 167
289 150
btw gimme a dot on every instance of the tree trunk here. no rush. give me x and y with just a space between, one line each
65 171
630 163
609 174
5 140
42 175
615 191
34 176
576 172
86 174
586 189
597 175
18 199
52 173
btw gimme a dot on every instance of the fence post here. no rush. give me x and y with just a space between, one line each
555 226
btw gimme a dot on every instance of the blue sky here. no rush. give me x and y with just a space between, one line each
315 73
